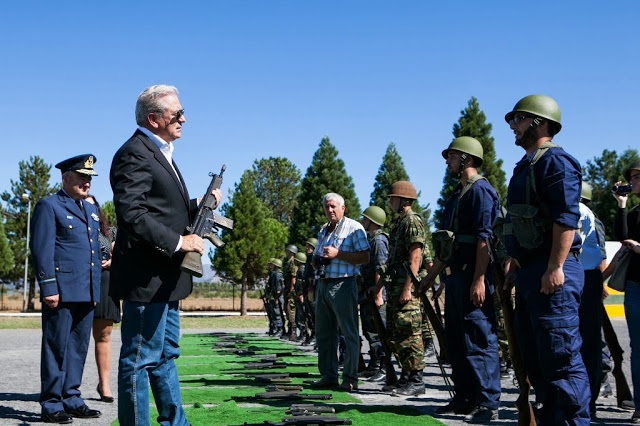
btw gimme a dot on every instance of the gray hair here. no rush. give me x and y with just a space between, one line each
150 101
332 196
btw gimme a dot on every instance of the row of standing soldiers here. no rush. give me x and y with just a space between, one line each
291 285
541 249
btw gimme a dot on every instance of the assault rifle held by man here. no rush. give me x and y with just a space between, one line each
206 225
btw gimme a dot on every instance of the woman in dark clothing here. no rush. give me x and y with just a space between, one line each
627 230
107 311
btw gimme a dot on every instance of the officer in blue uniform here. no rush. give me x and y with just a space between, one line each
470 324
66 258
540 237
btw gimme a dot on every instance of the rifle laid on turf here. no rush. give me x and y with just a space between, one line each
206 225
390 372
622 387
303 420
525 410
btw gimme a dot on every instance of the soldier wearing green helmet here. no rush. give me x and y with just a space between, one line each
308 291
290 272
539 234
273 290
373 219
300 260
470 324
466 146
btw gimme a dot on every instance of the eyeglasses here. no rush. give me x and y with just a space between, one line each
178 114
515 120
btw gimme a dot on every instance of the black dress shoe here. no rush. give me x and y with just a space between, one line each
84 412
57 417
324 384
104 398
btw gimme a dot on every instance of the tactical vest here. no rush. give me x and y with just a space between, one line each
529 222
444 241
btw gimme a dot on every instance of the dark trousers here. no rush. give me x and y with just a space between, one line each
547 326
591 330
472 344
66 331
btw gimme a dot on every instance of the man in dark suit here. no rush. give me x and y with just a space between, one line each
66 259
153 210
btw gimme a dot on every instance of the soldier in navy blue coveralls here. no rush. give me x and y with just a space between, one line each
66 257
470 325
549 278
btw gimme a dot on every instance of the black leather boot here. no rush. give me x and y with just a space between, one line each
402 381
414 386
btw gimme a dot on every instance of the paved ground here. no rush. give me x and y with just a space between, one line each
20 384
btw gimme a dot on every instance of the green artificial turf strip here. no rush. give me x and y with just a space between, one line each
206 377
232 414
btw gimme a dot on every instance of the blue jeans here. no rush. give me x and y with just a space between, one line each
632 313
337 307
150 335
547 327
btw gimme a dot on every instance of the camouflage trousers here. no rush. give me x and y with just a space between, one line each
404 328
503 343
290 311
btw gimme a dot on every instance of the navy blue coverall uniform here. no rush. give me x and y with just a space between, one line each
66 256
547 325
470 331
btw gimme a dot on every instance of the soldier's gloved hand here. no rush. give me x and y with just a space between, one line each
552 280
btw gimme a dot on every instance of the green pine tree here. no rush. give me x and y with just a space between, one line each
275 181
7 262
601 173
473 122
325 174
254 240
109 210
392 170
34 182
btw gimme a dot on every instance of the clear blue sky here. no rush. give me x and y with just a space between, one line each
271 78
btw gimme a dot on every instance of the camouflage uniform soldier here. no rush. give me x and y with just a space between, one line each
373 218
300 261
404 313
290 272
274 293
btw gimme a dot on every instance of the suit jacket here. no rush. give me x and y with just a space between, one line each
153 209
65 249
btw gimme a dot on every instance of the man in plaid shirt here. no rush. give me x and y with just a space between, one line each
342 246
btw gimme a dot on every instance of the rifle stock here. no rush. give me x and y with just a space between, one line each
623 393
438 328
390 372
525 410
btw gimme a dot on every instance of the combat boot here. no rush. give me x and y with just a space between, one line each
372 368
414 387
402 381
429 348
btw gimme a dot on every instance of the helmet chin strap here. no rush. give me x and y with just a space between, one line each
463 159
534 125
